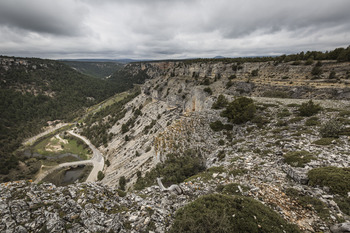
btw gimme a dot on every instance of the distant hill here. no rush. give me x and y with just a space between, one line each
98 69
124 61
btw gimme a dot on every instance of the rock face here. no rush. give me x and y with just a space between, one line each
341 228
176 109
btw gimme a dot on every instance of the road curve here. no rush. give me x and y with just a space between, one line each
97 162
50 130
97 159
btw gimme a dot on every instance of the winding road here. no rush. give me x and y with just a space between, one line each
97 161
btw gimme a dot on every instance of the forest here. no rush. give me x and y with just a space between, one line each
44 90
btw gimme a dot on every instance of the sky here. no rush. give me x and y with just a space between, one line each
171 29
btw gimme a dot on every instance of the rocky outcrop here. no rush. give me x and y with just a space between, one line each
341 228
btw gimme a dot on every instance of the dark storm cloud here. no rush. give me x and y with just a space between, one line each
53 17
171 29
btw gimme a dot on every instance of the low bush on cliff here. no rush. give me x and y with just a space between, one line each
309 109
298 158
223 213
174 170
331 129
240 110
218 126
221 102
337 179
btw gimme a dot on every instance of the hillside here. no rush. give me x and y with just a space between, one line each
95 69
36 92
271 154
246 144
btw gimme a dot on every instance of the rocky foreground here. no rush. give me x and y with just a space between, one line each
89 207
94 207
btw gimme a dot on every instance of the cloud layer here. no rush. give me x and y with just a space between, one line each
159 29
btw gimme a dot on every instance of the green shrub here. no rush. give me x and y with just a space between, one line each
221 102
238 171
343 204
174 170
331 128
122 183
298 158
255 72
281 123
240 110
316 70
107 163
222 213
260 121
309 108
324 141
284 113
309 61
312 121
208 90
218 126
100 175
337 179
121 193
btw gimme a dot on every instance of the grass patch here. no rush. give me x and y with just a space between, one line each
284 113
337 179
67 144
298 158
238 171
324 141
222 213
312 121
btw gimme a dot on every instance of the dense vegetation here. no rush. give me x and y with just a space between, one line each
309 109
223 213
96 127
126 78
95 69
240 110
174 170
337 179
34 91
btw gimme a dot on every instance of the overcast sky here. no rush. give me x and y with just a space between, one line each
163 29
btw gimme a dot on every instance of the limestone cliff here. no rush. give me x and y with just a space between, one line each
176 106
